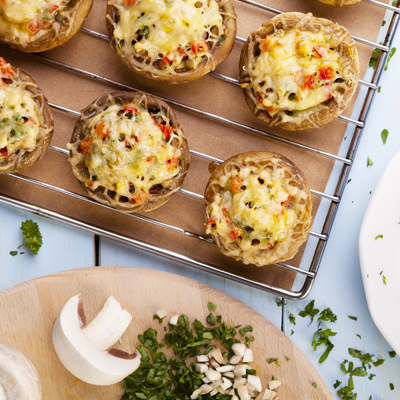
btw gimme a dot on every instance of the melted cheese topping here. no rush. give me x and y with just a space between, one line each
295 71
180 33
129 153
23 18
19 122
254 208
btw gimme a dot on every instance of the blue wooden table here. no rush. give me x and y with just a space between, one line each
338 285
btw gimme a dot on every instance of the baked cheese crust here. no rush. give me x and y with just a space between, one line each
298 71
258 208
129 151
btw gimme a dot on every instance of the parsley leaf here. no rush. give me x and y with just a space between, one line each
245 330
392 354
211 306
32 236
391 54
13 253
379 89
314 384
292 332
327 315
374 58
391 386
322 337
384 135
353 318
280 303
309 310
275 360
369 162
292 319
248 340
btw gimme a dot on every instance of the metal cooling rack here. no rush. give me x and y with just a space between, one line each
322 237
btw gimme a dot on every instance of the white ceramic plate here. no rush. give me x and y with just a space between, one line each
380 256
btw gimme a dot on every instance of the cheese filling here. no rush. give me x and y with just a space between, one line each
178 33
19 123
254 208
295 71
131 152
23 18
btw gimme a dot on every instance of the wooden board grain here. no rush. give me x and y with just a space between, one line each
28 310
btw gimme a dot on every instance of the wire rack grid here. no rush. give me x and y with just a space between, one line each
334 199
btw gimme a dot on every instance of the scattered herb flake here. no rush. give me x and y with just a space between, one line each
13 253
384 135
275 360
327 315
309 310
292 319
249 339
322 337
379 237
287 358
379 89
394 3
160 320
391 386
391 54
211 306
392 354
353 318
349 181
384 279
292 332
280 303
358 335
371 376
369 162
384 23
314 384
32 236
245 330
374 58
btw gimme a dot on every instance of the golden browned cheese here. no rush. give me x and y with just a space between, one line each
339 2
298 71
258 208
40 25
128 150
175 41
26 123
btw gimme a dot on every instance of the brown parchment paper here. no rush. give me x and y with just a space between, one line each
204 135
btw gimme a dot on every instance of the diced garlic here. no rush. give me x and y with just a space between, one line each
206 380
214 392
269 395
239 382
214 364
243 393
235 359
161 313
202 358
213 375
260 396
225 368
231 392
226 384
195 394
205 389
201 368
229 374
274 384
248 356
239 349
255 381
240 370
216 384
174 319
234 397
217 355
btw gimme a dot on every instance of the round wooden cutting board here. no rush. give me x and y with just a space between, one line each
28 310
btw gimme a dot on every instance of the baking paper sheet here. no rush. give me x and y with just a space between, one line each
204 135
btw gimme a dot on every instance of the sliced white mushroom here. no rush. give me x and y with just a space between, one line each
86 351
19 379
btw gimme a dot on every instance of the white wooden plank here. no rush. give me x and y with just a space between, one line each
114 253
338 283
63 248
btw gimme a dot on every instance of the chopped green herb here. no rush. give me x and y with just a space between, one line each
392 354
384 279
391 54
211 319
383 23
346 392
13 253
144 30
349 181
322 337
394 3
374 58
367 275
337 384
327 315
211 306
292 332
249 339
371 376
391 386
314 384
275 360
384 135
309 310
287 358
245 330
358 335
160 320
379 237
353 318
280 303
32 236
292 319
25 158
369 162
